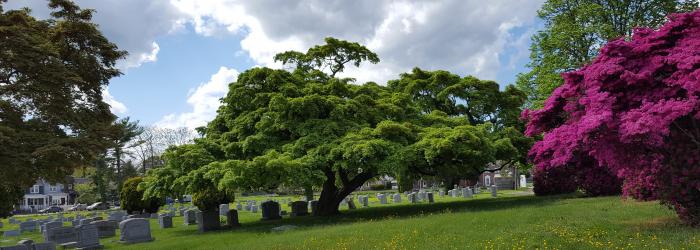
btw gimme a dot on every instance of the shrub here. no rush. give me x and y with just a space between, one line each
551 181
636 109
131 199
210 199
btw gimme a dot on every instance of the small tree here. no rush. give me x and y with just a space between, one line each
87 193
132 200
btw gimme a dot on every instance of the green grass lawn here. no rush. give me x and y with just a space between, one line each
511 221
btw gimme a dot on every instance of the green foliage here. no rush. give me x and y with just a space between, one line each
333 55
575 31
52 115
132 199
87 193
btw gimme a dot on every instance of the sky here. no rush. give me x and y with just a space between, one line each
184 53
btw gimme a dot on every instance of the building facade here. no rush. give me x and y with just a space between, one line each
44 194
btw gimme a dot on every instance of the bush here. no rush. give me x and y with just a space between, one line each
210 199
131 199
551 181
598 181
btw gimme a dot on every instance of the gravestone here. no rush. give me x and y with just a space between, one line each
300 208
44 246
87 237
239 206
10 233
153 216
523 181
27 226
412 198
314 207
476 189
48 225
430 197
232 219
270 210
61 235
208 220
441 193
254 208
382 198
351 203
223 209
12 220
467 193
85 221
16 247
105 228
494 191
134 231
397 198
182 211
1 225
190 217
165 221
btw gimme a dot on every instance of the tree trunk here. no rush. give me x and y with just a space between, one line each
331 195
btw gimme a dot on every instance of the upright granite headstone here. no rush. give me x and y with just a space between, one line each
27 226
61 235
351 203
239 206
232 219
467 193
382 199
208 220
87 237
441 193
270 210
190 217
397 198
223 209
105 228
430 197
10 233
135 230
494 191
300 208
254 208
165 221
48 225
314 207
44 246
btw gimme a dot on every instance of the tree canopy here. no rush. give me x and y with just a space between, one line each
575 31
52 115
307 128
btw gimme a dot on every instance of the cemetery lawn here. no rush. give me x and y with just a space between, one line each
512 221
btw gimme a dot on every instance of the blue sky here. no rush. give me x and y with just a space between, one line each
184 52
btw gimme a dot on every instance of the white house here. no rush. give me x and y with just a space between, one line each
44 194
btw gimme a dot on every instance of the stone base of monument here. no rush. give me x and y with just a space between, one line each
208 221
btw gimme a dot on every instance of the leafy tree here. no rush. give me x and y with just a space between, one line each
576 30
122 138
52 115
469 126
332 56
87 193
132 199
635 111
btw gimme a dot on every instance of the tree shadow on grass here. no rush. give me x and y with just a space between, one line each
407 210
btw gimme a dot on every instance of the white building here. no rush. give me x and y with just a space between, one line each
44 194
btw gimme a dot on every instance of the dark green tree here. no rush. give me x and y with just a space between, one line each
52 115
122 138
575 30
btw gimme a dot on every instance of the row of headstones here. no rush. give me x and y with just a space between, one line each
31 225
87 233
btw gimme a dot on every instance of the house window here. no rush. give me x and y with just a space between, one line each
487 181
35 189
52 188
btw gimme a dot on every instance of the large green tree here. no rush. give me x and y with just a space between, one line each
574 31
308 128
52 115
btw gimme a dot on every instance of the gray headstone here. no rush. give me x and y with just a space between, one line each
17 247
430 197
254 208
232 218
351 203
494 191
61 235
467 193
190 217
239 206
27 226
105 228
45 246
153 216
135 230
117 216
165 221
88 237
208 220
397 198
270 210
223 209
299 208
314 207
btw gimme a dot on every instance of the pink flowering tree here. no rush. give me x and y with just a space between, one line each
635 112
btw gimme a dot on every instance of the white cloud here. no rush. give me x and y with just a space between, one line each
116 106
205 100
465 37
